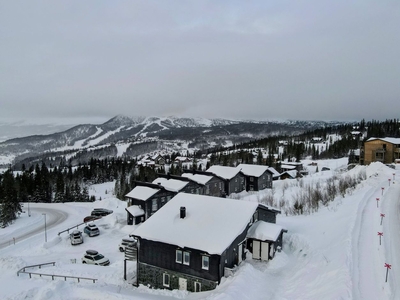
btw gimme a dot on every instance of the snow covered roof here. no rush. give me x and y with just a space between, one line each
274 172
135 210
264 231
211 223
288 167
252 170
199 178
172 185
292 173
223 171
391 140
141 192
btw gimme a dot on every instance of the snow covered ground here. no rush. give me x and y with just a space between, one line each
330 254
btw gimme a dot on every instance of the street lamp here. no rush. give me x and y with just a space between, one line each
45 230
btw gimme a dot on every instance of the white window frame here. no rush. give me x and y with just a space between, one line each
166 279
205 266
186 258
177 254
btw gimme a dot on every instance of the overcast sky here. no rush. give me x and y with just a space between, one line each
306 60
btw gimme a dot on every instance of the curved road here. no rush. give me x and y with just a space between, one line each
53 218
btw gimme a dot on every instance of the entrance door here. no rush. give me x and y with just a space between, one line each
240 252
256 250
182 284
264 250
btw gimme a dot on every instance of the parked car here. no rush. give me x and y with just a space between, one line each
91 218
76 237
91 230
101 212
95 258
126 242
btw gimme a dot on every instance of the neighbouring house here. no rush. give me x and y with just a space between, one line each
257 177
194 241
293 174
210 184
384 150
159 160
275 174
177 184
146 198
234 180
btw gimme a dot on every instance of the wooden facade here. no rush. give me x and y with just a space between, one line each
384 150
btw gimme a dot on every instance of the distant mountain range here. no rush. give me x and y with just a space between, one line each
132 136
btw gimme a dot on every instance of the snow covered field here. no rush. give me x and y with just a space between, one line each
330 254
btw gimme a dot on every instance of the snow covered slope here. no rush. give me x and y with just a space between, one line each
333 253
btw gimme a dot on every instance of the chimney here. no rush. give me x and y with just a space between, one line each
183 212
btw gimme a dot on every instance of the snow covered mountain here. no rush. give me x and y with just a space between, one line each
147 133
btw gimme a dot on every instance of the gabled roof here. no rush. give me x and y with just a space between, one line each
274 172
199 178
395 141
142 192
223 171
211 223
264 231
172 185
252 170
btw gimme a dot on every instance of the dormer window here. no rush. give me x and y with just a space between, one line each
205 262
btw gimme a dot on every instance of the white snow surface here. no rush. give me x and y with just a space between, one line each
141 192
223 171
264 231
172 185
333 253
252 170
199 178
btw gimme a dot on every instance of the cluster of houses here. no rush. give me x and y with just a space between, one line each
192 235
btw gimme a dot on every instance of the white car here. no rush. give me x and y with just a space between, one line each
95 258
76 237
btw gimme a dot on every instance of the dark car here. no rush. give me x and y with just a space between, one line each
91 218
100 212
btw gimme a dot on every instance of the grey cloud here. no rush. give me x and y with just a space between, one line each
232 59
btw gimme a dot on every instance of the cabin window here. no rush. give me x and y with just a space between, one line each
235 179
251 188
154 205
207 189
215 184
251 179
197 286
263 177
162 201
205 262
186 258
166 279
178 257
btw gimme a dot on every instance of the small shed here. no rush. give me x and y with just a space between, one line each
135 215
263 239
